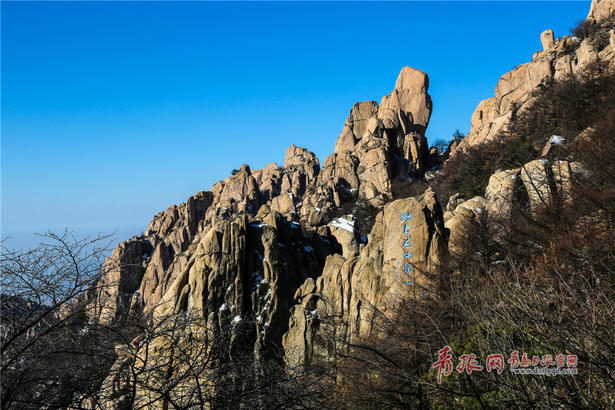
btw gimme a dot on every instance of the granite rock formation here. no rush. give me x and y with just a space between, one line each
275 253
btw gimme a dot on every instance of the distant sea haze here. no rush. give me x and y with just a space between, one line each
28 238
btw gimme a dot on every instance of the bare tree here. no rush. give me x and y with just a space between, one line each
46 349
540 281
179 361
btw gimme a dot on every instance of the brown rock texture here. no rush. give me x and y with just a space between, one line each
601 10
265 245
547 40
407 241
500 191
276 253
144 266
461 222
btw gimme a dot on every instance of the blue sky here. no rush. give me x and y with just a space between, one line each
111 112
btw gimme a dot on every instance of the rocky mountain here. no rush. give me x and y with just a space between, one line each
273 249
278 253
379 144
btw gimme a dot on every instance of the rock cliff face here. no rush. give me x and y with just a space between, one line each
407 240
378 144
563 57
142 268
264 245
274 252
601 10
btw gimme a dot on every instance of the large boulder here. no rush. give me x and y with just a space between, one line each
536 177
237 193
405 114
547 40
343 229
374 170
409 100
269 180
543 181
500 193
565 173
356 125
462 223
299 161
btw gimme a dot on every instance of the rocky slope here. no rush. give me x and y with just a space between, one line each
378 144
256 253
559 58
274 252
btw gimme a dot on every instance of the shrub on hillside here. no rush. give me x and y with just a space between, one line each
553 297
546 287
564 108
597 33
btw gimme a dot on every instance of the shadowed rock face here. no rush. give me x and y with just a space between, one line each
245 274
532 186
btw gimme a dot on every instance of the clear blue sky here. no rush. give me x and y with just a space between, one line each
111 112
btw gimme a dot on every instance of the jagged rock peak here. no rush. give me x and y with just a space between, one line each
412 79
298 156
547 40
406 110
379 143
410 97
356 125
